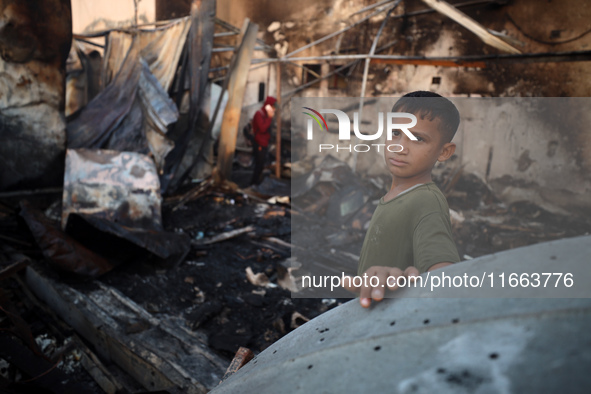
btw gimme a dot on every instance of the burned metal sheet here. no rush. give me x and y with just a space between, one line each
198 160
159 111
64 252
411 344
158 351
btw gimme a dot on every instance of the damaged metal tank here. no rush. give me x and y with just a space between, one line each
456 340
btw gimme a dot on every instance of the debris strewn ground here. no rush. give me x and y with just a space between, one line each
233 286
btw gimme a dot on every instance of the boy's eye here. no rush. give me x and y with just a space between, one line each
419 138
395 132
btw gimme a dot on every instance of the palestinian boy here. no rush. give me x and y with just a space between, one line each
410 230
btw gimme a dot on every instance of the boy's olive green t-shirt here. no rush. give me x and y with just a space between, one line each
411 229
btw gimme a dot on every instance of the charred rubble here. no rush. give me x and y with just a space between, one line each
145 261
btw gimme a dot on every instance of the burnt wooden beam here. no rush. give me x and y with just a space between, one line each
161 354
236 87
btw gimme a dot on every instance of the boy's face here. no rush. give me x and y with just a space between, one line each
416 160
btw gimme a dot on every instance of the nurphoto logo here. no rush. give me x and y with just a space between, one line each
345 129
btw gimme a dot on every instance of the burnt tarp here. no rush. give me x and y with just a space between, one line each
131 114
134 111
83 75
161 48
94 125
111 203
35 38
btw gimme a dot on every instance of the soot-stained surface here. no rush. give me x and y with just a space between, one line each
210 287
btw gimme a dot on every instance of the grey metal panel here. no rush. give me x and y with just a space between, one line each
426 345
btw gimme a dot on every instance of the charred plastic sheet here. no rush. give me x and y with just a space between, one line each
93 126
131 114
113 199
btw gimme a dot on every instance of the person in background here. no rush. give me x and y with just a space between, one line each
261 127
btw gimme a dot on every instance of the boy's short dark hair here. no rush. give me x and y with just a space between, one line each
431 106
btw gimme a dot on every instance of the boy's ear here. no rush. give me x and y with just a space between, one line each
447 151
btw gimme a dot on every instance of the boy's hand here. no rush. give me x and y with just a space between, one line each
367 292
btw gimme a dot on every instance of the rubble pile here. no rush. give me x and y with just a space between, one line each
231 289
